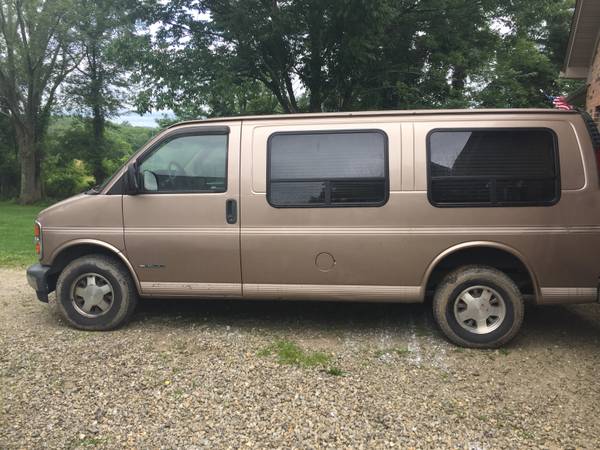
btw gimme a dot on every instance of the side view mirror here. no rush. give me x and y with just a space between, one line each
133 185
150 181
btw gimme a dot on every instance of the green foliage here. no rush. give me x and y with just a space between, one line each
504 351
105 30
517 77
16 234
352 54
528 57
69 148
36 55
71 151
334 371
64 180
399 351
227 57
290 353
132 137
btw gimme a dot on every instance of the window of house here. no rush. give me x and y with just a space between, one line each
597 114
493 167
327 169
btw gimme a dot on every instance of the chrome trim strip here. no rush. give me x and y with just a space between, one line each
422 230
557 295
191 289
144 230
85 230
584 229
213 230
400 294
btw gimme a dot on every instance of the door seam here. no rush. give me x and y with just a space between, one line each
240 217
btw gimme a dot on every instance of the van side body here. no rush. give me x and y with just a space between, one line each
177 244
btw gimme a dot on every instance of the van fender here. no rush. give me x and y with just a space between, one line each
106 245
480 244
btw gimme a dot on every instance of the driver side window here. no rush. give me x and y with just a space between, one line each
193 163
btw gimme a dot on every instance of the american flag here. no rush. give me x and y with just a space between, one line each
560 102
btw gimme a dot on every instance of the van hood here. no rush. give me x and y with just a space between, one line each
47 213
84 211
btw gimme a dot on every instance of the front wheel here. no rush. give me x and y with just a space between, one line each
478 306
95 292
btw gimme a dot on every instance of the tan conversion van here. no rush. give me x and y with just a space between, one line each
480 211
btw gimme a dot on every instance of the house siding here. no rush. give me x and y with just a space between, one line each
592 103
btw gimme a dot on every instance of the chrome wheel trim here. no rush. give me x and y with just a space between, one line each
479 309
92 295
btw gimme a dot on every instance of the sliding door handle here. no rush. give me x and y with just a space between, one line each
231 211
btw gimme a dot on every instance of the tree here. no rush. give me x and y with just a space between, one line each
99 85
66 169
36 55
194 80
528 56
340 54
517 75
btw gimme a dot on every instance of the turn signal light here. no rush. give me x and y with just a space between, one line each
37 237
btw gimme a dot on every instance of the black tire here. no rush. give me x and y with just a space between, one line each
123 298
472 277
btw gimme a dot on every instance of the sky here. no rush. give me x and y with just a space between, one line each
147 120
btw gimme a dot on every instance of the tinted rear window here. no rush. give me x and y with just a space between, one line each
327 169
493 167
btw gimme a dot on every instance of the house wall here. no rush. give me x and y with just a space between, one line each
592 103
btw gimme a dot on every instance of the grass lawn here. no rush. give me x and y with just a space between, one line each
16 234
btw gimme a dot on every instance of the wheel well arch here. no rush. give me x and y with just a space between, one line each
493 254
73 250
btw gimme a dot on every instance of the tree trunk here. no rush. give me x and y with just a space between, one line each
98 125
315 79
96 100
291 95
459 76
29 157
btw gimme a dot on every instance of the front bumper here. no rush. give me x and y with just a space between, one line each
37 277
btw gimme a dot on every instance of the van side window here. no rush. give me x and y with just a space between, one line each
327 169
493 167
192 163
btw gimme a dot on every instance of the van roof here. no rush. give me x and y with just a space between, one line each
416 112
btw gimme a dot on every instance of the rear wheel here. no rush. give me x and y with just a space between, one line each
478 306
95 292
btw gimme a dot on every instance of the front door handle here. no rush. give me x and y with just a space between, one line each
231 211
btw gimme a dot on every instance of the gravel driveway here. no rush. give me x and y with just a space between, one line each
194 374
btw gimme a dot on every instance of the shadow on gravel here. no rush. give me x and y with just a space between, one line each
273 315
562 326
544 326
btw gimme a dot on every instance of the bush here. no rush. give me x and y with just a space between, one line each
61 181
